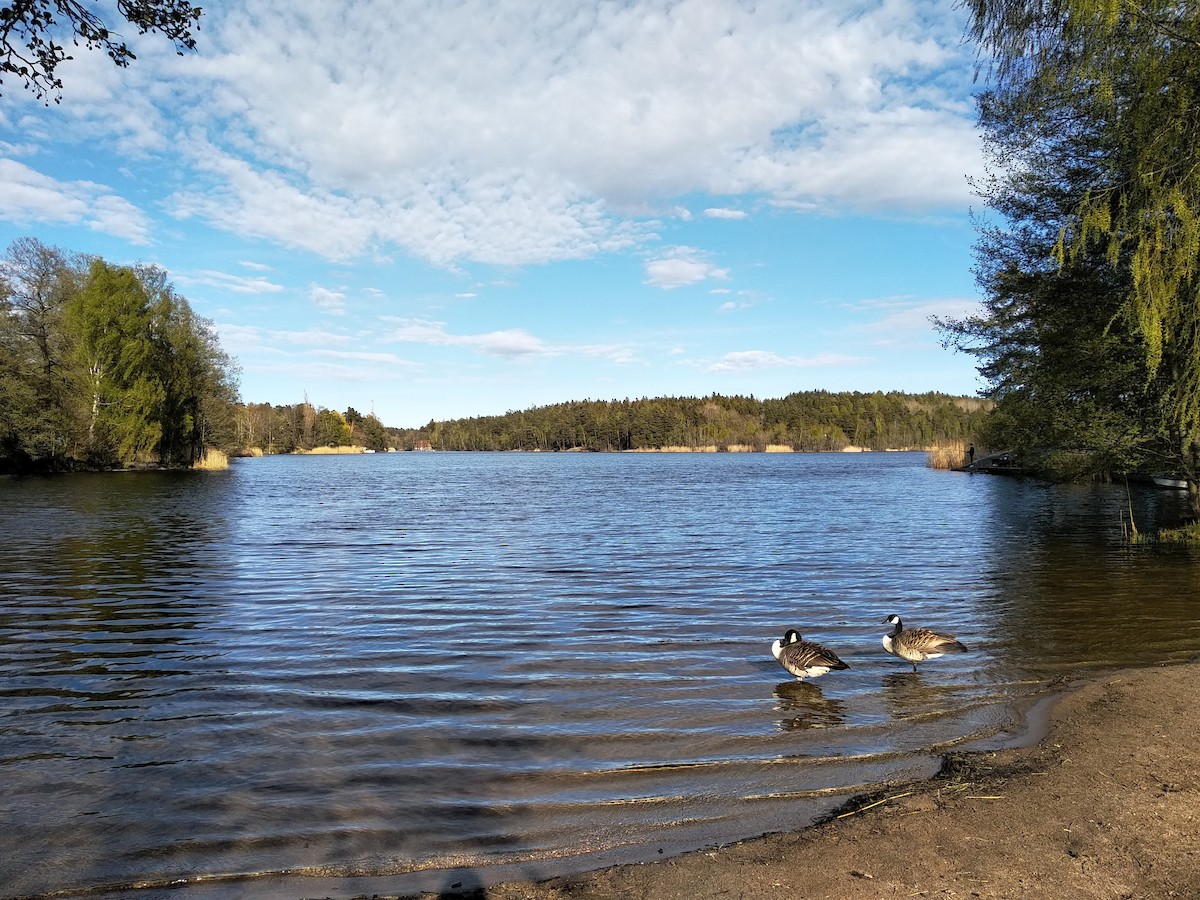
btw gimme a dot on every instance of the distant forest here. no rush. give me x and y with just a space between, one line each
302 427
807 421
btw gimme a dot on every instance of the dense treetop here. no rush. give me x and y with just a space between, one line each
104 366
1090 335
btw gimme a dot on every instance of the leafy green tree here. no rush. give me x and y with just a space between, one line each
1055 341
35 283
262 425
353 418
331 429
110 319
21 426
33 35
105 365
1139 64
199 379
372 434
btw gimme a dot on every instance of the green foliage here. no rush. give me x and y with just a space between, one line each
1054 340
371 434
200 389
1138 209
1187 535
104 366
331 429
814 420
285 429
35 282
110 321
31 32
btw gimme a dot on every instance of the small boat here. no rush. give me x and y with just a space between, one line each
1172 482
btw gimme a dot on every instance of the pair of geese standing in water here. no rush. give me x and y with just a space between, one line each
804 659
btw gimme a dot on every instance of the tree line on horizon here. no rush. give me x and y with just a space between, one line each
805 421
289 428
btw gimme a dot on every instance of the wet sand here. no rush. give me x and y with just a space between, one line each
1107 805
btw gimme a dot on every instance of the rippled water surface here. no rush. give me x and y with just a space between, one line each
334 675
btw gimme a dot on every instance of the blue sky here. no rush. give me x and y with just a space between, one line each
445 209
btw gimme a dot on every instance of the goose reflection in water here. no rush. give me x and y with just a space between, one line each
909 696
809 708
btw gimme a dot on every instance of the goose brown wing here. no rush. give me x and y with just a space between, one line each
928 641
802 655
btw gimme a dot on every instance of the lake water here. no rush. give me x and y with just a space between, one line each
377 674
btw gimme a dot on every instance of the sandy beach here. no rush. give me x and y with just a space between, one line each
1107 805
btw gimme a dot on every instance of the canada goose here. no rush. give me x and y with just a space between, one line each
802 658
917 644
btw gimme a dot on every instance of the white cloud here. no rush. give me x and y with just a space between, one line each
900 319
390 359
510 343
909 314
254 339
10 149
235 284
736 305
751 360
679 267
29 197
617 354
311 338
265 204
239 339
722 213
332 302
571 122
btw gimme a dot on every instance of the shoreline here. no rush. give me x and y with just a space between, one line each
1104 804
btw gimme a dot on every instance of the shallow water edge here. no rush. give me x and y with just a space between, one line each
401 667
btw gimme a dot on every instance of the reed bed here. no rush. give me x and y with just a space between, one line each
947 455
213 460
1186 535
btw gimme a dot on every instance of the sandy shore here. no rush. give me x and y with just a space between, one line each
1106 806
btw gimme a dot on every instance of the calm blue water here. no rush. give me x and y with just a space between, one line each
338 675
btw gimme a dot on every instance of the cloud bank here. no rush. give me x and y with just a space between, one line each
508 132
